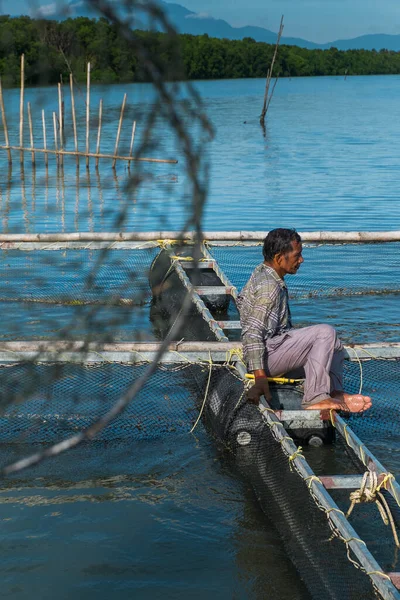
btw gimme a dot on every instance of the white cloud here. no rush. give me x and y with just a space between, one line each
48 9
202 15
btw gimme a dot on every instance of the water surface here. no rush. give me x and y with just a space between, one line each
169 517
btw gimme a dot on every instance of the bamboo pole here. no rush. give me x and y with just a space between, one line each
211 236
87 113
99 132
71 85
267 97
132 142
3 118
46 156
121 116
60 123
31 132
21 108
55 136
383 349
94 155
62 104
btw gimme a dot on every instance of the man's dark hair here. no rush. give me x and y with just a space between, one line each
279 241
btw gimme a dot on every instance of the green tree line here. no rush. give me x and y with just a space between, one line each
55 48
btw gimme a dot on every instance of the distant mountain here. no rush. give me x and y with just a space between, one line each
187 21
375 41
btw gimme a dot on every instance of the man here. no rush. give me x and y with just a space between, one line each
272 347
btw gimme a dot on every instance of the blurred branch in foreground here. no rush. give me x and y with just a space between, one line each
177 107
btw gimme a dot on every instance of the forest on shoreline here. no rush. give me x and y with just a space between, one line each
55 48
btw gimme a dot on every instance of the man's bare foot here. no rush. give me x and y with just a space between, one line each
355 403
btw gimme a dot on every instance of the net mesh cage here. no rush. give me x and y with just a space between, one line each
70 292
64 292
341 269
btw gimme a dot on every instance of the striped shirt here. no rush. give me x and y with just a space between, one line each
264 313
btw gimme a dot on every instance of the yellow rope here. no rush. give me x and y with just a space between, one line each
297 454
165 243
285 438
333 509
370 492
276 424
387 477
361 370
354 539
277 379
187 258
384 575
332 414
312 478
235 353
370 354
267 409
205 396
346 435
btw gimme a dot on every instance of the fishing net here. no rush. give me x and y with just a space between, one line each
44 402
76 276
72 293
328 269
352 287
378 427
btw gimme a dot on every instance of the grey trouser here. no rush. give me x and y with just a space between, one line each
317 350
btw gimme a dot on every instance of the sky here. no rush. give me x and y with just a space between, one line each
314 20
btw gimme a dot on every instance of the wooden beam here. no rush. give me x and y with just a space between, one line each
213 290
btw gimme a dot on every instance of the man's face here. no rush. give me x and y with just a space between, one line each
290 262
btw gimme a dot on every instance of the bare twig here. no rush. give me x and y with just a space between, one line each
180 117
267 95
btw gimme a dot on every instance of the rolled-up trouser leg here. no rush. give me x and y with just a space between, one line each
318 350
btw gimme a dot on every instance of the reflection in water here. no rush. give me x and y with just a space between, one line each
46 189
6 211
33 187
123 205
23 199
62 199
89 201
76 211
101 197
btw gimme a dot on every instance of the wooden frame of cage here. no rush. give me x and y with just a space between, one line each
340 237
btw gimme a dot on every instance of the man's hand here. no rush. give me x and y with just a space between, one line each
260 388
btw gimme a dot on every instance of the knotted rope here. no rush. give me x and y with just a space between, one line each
370 491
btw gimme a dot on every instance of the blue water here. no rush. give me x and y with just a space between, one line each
168 518
328 161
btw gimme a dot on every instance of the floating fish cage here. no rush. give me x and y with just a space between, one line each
52 389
